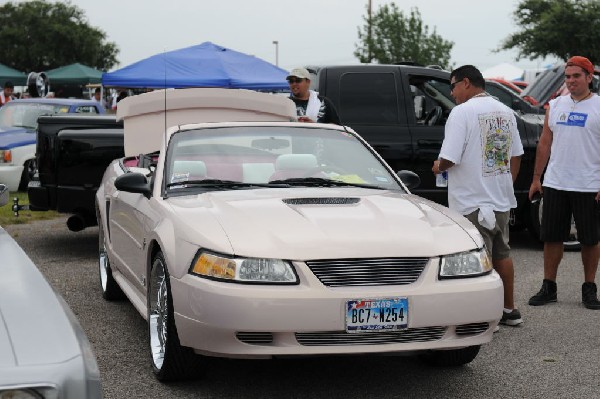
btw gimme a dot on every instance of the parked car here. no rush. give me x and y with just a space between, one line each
44 352
509 84
511 99
18 122
259 237
551 83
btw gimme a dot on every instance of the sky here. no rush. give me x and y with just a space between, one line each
308 32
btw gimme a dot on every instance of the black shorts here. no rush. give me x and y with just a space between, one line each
559 206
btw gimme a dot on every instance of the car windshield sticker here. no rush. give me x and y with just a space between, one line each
572 119
382 179
179 177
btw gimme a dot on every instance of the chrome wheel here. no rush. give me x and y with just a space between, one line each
159 312
102 258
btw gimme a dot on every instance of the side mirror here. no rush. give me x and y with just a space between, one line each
134 183
3 195
410 179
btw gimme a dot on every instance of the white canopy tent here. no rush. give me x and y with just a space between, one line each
503 71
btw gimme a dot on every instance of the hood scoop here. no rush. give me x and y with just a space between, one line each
321 201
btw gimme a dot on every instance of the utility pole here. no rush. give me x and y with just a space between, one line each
276 43
370 33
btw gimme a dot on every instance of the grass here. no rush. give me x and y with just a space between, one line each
7 216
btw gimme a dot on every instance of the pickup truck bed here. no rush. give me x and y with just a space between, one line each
72 154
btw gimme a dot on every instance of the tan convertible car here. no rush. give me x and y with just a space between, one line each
236 232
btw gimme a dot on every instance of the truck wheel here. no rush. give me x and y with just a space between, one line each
170 360
29 169
572 244
451 358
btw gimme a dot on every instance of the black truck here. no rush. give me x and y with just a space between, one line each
399 109
72 153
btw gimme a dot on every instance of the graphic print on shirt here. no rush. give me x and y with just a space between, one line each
572 119
496 140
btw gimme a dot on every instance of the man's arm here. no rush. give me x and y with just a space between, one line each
542 155
515 165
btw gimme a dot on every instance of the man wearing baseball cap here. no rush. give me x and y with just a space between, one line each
310 107
569 146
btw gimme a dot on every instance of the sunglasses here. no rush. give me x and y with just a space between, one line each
452 85
294 80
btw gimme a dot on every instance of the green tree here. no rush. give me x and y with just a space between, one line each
38 36
394 37
560 28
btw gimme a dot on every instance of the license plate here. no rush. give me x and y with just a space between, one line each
376 314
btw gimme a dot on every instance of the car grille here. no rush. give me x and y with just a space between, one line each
255 338
422 334
472 329
368 272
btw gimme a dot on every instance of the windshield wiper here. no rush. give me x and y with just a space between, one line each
321 182
218 183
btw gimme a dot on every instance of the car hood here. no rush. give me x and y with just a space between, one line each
34 329
317 223
15 137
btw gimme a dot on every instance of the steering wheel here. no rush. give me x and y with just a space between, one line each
433 116
324 168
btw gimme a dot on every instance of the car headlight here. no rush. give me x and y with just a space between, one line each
5 156
465 264
243 270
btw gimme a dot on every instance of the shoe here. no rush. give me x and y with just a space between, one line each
497 328
511 319
546 294
589 296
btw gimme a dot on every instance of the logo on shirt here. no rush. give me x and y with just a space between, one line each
496 133
572 119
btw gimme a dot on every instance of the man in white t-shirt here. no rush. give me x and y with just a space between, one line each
482 153
570 146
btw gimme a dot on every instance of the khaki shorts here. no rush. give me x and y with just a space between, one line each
496 240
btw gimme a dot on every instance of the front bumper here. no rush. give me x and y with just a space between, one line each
10 175
211 316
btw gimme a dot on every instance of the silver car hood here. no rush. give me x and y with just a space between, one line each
34 329
317 223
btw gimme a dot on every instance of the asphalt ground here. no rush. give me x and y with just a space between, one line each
555 353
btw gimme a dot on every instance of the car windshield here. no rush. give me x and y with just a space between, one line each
26 114
272 156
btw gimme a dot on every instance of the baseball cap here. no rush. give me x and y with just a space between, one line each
301 73
581 62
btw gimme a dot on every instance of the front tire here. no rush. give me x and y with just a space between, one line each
452 357
170 360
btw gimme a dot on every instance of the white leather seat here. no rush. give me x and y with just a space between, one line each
257 172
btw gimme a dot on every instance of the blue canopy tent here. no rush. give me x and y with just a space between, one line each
203 65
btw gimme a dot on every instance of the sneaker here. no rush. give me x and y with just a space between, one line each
497 328
589 296
546 294
511 319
